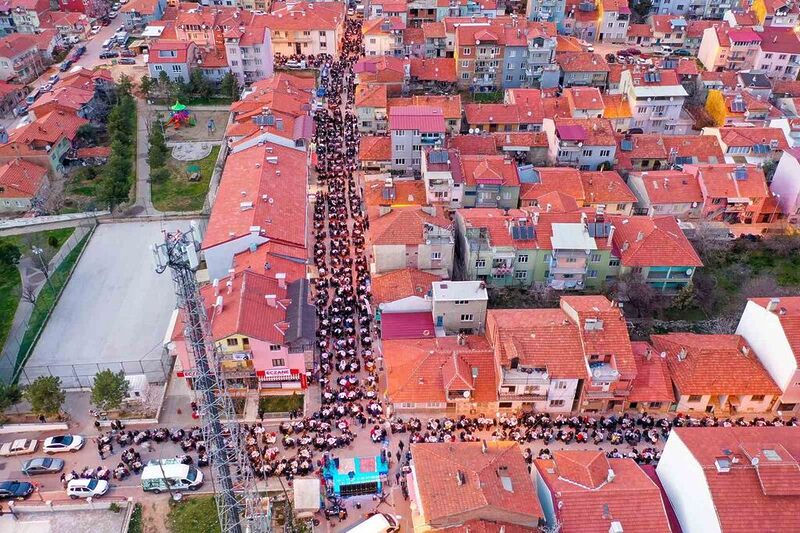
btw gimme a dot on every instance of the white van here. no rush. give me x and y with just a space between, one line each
170 474
108 44
377 523
32 96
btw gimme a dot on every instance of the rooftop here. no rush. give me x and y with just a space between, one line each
399 284
459 290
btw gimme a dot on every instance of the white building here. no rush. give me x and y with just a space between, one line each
656 99
249 52
459 306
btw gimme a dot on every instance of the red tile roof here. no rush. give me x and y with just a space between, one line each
93 151
523 139
663 23
433 30
21 179
49 128
396 326
670 187
529 102
405 193
271 259
713 364
735 136
495 483
400 284
585 500
306 16
489 170
584 98
739 498
426 119
449 104
719 181
605 187
479 114
616 107
434 69
582 62
404 225
375 148
181 49
371 96
561 179
592 131
473 144
652 241
640 30
652 382
16 44
702 148
251 172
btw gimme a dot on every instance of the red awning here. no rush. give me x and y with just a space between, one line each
406 325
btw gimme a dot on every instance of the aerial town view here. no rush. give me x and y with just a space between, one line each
377 266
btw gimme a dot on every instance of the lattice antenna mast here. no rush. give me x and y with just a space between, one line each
239 505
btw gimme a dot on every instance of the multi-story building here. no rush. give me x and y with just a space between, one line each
308 28
583 69
383 36
750 145
785 186
459 307
520 114
27 14
776 13
612 26
666 192
546 11
603 191
716 373
413 128
175 58
732 193
371 104
23 185
668 30
588 144
44 142
771 328
20 60
138 13
725 48
479 57
656 98
580 20
779 53
249 53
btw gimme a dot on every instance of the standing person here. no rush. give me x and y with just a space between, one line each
42 419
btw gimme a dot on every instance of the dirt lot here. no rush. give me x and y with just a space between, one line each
197 133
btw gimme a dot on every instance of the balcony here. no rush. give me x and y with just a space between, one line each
521 397
430 140
602 372
525 377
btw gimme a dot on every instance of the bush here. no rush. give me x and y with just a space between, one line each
45 395
109 389
160 175
135 525
9 254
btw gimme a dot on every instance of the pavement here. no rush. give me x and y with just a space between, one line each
115 309
72 521
144 203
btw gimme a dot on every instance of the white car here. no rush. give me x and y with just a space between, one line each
112 15
95 30
18 447
63 443
85 488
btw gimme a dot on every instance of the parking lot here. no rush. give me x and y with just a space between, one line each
114 311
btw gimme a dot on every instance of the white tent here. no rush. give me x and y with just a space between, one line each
306 496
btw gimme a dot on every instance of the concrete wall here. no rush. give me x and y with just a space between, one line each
451 315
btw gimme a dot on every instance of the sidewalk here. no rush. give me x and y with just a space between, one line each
143 199
33 277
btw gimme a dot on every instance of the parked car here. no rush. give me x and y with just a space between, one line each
95 30
42 465
108 55
127 53
19 446
53 78
127 61
112 15
682 52
21 110
85 488
633 51
63 443
105 21
65 65
18 490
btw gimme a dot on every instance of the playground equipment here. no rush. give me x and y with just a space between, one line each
179 116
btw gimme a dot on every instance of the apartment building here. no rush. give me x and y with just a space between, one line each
308 28
656 98
735 194
779 53
666 192
23 185
583 69
249 53
413 128
20 60
175 58
587 144
724 48
459 307
612 25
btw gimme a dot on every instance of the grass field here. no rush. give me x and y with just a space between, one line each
280 404
194 515
47 300
10 281
180 194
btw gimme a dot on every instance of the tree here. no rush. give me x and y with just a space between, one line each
229 86
109 390
199 85
769 167
9 395
158 151
124 86
715 107
28 294
146 85
164 84
87 134
636 294
160 174
9 254
641 10
45 395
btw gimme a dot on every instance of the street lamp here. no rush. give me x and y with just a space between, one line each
39 253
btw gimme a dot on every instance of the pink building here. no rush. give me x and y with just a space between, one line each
249 51
249 315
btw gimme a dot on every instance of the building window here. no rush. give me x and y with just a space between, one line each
278 362
465 75
461 302
480 263
613 262
694 398
466 51
595 258
158 68
605 153
655 405
561 385
757 397
587 153
556 403
176 68
522 259
622 207
436 256
399 161
466 317
592 273
520 274
232 342
275 347
571 260
234 63
464 64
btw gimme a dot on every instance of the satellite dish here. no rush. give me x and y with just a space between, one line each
472 130
754 461
466 394
689 271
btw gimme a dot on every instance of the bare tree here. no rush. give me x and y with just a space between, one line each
637 295
28 294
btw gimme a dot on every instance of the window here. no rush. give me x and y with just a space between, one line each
176 68
655 405
520 274
398 147
587 153
595 258
522 259
591 274
234 63
322 34
480 263
400 161
561 384
694 398
622 207
757 397
465 75
509 77
232 342
461 302
613 262
436 256
159 68
415 161
605 153
416 147
256 49
278 362
323 44
571 260
556 403
466 51
274 347
466 317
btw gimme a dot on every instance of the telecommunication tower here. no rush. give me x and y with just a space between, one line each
239 505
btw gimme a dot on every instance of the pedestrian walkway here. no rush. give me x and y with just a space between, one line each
144 203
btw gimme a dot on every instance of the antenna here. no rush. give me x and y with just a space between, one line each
239 506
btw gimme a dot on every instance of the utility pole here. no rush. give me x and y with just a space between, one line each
239 506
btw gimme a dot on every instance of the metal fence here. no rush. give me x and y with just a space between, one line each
81 376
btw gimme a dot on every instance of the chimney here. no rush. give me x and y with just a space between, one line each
611 233
271 300
215 284
639 236
536 218
229 285
666 183
773 304
549 208
281 277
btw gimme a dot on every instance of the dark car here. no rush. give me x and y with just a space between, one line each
15 489
624 53
682 52
108 55
42 465
127 61
634 51
65 65
127 53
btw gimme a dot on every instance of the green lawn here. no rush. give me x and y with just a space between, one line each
135 525
194 515
47 300
180 194
280 404
489 98
10 281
